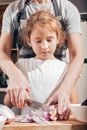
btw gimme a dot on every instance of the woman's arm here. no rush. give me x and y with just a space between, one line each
74 70
19 88
76 60
74 96
63 94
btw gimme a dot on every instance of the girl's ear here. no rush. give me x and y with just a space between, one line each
28 41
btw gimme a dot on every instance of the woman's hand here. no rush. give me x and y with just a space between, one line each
62 98
18 87
18 92
55 116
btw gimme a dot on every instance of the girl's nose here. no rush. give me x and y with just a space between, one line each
44 45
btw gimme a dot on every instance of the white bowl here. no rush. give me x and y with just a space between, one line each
79 112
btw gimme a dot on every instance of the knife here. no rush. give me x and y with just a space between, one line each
37 105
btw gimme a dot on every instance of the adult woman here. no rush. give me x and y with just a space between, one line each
19 90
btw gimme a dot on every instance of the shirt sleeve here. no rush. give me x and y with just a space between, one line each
72 19
7 21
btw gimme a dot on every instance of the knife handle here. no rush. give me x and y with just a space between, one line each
28 102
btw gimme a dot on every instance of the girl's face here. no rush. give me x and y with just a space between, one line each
43 43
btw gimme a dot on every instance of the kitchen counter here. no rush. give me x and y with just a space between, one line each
71 124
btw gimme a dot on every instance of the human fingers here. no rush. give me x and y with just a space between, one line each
60 105
66 103
13 90
65 115
63 105
63 101
53 100
53 113
10 92
22 98
17 95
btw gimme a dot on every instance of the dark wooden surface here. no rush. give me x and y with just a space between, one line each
2 9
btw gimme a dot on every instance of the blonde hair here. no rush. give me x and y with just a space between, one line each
45 19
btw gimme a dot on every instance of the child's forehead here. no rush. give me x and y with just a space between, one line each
44 26
42 32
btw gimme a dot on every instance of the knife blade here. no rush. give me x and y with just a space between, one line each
37 105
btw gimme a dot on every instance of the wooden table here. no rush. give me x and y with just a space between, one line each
71 124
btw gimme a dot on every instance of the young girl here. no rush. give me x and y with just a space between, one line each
44 71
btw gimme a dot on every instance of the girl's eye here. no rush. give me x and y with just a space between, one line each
39 41
49 40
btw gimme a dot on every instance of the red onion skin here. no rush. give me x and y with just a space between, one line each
46 116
